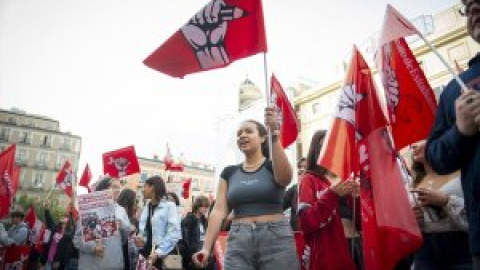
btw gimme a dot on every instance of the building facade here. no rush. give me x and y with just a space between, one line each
202 176
315 106
41 151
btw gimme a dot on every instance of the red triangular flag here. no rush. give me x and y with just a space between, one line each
36 229
289 122
390 231
410 99
65 179
219 34
121 162
8 181
186 188
85 179
395 26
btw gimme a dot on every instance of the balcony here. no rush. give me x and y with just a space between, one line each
41 165
21 161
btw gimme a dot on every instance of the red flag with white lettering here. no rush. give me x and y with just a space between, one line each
8 181
220 33
85 179
121 162
36 229
411 103
16 257
65 179
387 237
289 122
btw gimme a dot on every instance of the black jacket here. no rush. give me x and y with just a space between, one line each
191 237
65 248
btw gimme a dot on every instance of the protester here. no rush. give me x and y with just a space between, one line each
318 207
18 232
291 196
454 143
260 237
59 248
194 227
439 207
127 199
159 223
105 253
3 235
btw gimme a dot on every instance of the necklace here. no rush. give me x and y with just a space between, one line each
254 166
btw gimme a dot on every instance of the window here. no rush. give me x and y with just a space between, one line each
143 176
38 180
25 137
42 158
67 143
208 185
195 184
29 123
21 155
12 120
5 133
61 160
47 141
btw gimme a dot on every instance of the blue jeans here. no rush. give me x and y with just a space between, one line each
444 251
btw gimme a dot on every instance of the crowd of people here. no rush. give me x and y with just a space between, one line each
252 201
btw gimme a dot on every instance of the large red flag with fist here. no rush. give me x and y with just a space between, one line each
289 122
8 181
219 34
410 99
65 179
121 162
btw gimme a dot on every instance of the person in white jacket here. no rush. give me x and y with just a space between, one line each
159 223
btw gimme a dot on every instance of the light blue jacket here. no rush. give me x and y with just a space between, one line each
165 226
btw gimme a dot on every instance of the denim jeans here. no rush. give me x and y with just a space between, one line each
261 246
444 251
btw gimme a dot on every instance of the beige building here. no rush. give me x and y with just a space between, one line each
447 31
202 176
41 150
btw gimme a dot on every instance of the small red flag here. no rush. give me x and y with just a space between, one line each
65 179
170 164
220 33
121 162
411 103
186 188
289 122
36 229
86 177
8 180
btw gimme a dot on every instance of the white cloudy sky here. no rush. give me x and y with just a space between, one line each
80 62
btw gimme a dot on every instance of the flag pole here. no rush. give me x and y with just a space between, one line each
267 96
444 62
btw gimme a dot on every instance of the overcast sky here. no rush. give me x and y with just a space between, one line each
80 62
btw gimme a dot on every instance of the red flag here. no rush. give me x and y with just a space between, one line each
121 162
220 33
395 26
8 180
16 257
289 122
86 177
186 188
65 179
390 231
411 103
36 229
170 164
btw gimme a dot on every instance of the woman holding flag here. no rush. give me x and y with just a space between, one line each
260 237
318 213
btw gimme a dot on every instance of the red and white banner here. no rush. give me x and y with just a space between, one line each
144 264
219 34
411 103
121 162
286 113
97 215
170 164
8 180
65 179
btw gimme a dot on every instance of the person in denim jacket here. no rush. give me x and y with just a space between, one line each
159 223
